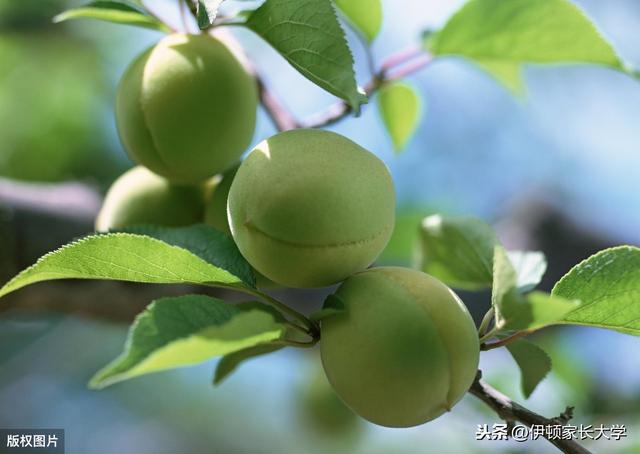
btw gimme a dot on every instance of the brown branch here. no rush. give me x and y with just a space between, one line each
400 57
511 411
421 61
411 60
502 342
280 116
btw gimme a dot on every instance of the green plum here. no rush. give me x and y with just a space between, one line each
142 197
308 208
404 351
215 213
186 108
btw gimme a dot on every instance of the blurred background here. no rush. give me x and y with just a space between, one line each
557 171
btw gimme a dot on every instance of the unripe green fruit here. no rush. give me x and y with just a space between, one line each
141 197
404 351
215 213
308 208
186 108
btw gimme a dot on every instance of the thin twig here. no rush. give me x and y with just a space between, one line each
182 4
282 119
193 8
411 67
511 411
505 341
412 59
400 57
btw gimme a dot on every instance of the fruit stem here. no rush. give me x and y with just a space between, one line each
502 342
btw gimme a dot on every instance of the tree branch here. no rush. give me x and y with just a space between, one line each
409 60
505 341
511 411
280 116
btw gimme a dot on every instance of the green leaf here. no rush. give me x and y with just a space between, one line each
504 284
229 363
501 36
533 361
332 305
400 107
536 310
123 257
515 312
458 251
119 12
530 266
209 244
507 73
186 330
608 284
364 15
207 10
308 35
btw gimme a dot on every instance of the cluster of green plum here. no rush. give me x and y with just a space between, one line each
306 208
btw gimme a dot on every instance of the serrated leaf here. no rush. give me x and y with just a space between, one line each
308 35
533 361
186 330
534 311
229 363
501 36
332 305
119 12
530 266
400 107
206 242
123 257
608 284
207 10
504 284
364 15
517 312
458 251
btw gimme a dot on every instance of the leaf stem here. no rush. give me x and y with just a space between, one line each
182 4
296 344
511 411
310 327
298 328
